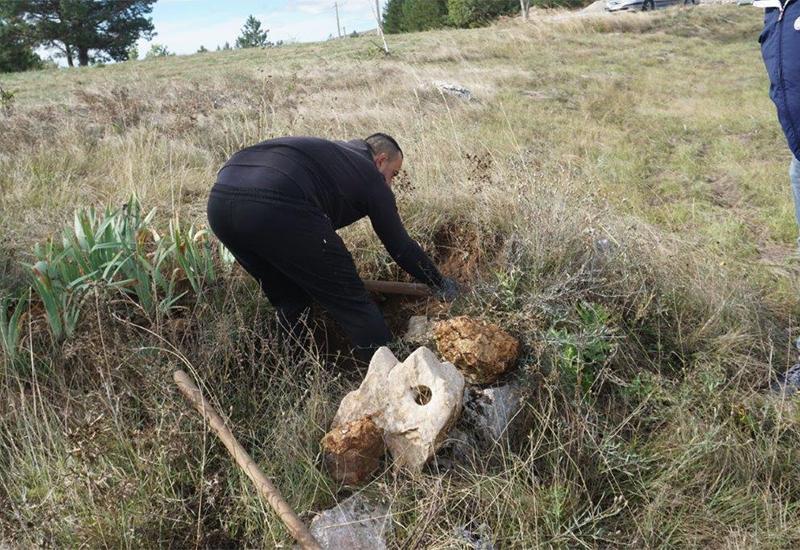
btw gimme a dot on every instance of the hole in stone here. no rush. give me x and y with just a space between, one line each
422 395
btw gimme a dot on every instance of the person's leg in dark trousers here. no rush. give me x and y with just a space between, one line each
294 251
288 299
335 284
300 242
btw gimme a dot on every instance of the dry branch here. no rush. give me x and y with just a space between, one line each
265 488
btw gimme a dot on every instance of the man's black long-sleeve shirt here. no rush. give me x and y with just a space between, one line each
341 179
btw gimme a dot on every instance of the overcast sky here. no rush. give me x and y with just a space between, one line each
184 25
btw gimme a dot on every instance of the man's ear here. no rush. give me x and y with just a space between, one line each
380 158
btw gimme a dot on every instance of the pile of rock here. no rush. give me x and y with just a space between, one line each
409 407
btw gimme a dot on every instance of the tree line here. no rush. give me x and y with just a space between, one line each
88 31
420 15
252 36
94 31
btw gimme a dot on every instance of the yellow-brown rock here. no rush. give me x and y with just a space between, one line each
353 451
480 350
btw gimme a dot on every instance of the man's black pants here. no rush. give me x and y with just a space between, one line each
293 251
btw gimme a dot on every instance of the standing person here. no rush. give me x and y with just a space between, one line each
277 205
780 47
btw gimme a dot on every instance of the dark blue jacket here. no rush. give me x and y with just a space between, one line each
780 47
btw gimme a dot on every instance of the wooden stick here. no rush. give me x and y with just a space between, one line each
392 287
265 488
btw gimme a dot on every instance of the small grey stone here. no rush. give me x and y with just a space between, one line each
354 524
480 540
789 382
604 251
454 90
490 415
490 411
603 245
458 450
419 329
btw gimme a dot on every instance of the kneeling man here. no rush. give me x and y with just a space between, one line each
277 205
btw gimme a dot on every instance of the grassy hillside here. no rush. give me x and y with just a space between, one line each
616 195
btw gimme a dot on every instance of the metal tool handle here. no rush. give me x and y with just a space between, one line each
265 488
392 287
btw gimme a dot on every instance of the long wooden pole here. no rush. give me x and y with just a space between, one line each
392 287
265 488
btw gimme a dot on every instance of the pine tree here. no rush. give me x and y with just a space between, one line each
474 13
393 17
421 15
91 30
158 50
16 54
252 36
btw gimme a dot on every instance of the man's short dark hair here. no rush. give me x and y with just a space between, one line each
383 143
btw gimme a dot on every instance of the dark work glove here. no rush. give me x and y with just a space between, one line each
448 290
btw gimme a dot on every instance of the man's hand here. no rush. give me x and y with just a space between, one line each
448 290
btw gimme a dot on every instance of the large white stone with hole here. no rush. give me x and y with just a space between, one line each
415 402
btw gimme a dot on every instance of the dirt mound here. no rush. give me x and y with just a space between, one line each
462 252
